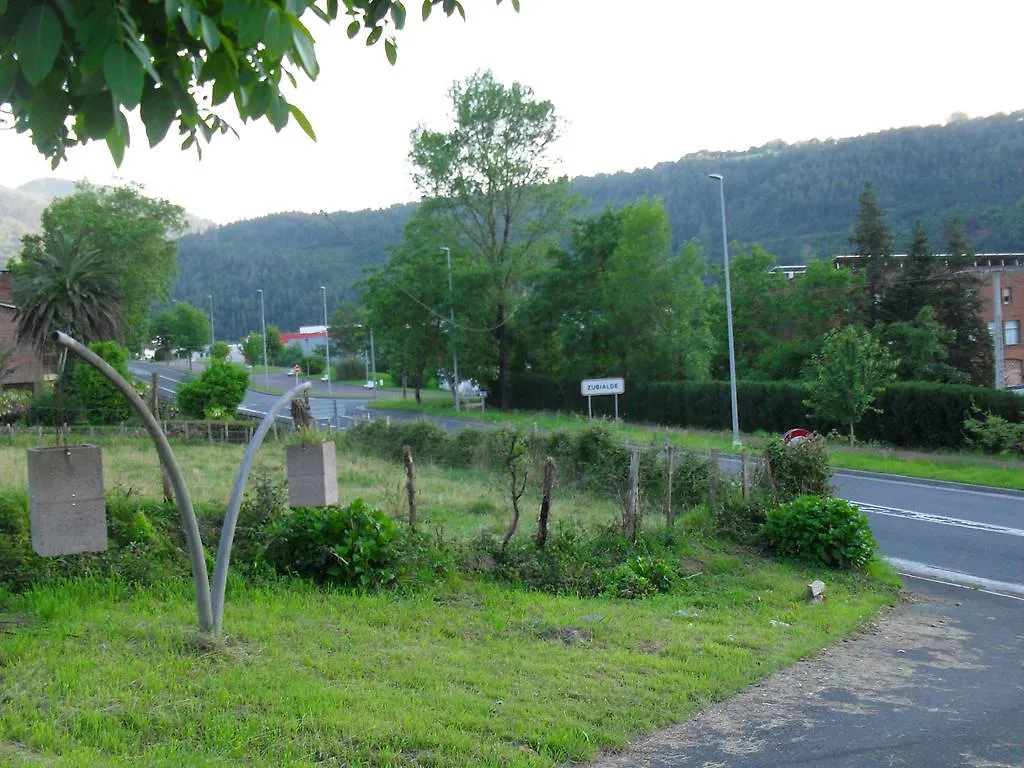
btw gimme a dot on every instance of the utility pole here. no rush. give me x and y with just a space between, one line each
1000 334
451 331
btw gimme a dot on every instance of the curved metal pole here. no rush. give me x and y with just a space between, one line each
163 448
227 532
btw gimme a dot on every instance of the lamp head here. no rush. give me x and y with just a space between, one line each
715 176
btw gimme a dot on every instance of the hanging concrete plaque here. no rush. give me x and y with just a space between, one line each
67 511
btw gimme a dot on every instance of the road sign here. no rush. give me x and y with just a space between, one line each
594 387
796 436
296 370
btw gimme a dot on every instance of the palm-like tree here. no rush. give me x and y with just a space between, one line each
62 284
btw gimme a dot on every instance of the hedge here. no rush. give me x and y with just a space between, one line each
914 414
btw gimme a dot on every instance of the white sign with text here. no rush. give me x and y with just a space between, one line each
594 387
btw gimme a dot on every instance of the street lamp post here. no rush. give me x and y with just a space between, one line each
728 317
263 326
213 339
373 362
327 340
451 331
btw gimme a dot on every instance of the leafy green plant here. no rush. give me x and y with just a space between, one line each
994 434
797 470
353 546
824 531
219 391
101 401
639 577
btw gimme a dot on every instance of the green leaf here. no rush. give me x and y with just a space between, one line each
398 15
277 33
97 116
211 35
391 51
171 9
278 112
8 74
235 10
124 75
303 122
141 51
250 28
117 138
38 42
259 99
303 42
3 6
189 16
374 36
158 111
427 8
353 29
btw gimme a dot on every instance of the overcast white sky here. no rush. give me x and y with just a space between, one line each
634 91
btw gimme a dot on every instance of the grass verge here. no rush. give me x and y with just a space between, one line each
467 674
951 467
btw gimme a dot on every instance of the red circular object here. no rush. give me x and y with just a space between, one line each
796 436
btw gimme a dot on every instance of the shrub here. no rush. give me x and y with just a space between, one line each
221 388
797 470
265 502
640 576
219 350
353 546
738 518
314 365
824 531
994 434
350 369
100 400
427 441
14 404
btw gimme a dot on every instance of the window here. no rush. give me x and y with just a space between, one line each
1008 295
1011 333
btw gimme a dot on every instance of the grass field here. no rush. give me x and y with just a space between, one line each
468 672
965 467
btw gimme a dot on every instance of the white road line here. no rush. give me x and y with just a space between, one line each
923 570
962 586
906 480
924 517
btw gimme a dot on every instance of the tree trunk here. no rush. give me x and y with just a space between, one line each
504 384
545 501
631 521
154 399
670 461
851 432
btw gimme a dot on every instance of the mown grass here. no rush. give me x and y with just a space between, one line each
464 673
468 674
965 467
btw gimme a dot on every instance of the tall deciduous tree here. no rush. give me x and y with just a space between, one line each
850 372
132 234
183 330
64 284
71 72
491 176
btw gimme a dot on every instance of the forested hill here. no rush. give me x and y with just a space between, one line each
797 200
289 256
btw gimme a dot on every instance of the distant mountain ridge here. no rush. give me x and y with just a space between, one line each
21 210
799 201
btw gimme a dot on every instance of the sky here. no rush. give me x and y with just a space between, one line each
637 83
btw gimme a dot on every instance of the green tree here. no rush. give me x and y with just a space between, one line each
872 241
70 72
216 394
62 284
850 372
274 346
133 234
491 177
958 307
101 401
219 351
349 329
182 330
914 286
921 348
758 298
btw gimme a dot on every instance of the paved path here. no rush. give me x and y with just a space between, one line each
937 682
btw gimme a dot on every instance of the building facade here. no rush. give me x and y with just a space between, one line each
26 366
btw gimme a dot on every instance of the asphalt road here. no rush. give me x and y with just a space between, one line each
946 531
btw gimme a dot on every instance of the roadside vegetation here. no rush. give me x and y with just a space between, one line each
461 638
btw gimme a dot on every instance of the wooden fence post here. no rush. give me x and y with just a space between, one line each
632 522
545 501
410 483
670 461
713 478
747 478
154 408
